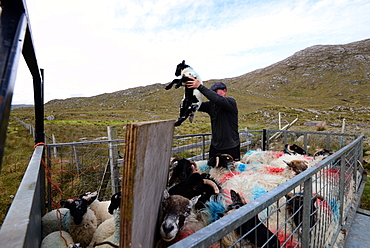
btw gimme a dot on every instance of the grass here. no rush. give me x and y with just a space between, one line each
19 149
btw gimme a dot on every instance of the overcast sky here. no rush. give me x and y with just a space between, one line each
91 47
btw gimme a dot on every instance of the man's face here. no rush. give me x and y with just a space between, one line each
221 92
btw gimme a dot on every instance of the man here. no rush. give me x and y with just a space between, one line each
223 113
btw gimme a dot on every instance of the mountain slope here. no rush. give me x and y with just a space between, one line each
322 82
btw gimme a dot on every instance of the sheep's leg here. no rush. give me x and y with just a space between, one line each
175 81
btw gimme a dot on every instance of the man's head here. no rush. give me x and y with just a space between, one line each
220 88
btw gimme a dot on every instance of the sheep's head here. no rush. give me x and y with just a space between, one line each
322 152
176 209
90 196
196 184
115 202
182 170
77 208
294 149
221 160
297 166
180 67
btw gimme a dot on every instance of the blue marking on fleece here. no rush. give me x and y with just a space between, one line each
249 152
242 167
64 221
214 208
203 167
257 192
335 208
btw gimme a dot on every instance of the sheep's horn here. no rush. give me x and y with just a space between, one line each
213 184
288 147
195 167
217 161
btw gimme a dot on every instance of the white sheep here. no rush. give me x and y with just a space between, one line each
58 239
109 233
80 221
53 221
99 207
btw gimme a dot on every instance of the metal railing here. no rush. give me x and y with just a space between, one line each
85 166
337 180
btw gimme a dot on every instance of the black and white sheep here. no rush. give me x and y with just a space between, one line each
181 170
99 207
108 233
75 218
196 184
192 97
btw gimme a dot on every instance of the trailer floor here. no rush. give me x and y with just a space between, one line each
359 234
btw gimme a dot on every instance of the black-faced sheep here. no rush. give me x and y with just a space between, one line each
294 149
182 170
99 207
221 160
196 184
78 220
192 97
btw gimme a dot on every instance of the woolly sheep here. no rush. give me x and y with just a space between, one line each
99 207
79 221
100 237
179 216
192 97
53 221
58 239
182 169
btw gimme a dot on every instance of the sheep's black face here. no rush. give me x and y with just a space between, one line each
180 67
221 160
77 209
115 202
182 171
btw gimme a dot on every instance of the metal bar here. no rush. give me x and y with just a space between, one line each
306 213
22 224
12 29
341 189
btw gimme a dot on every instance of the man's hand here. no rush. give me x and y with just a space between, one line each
193 83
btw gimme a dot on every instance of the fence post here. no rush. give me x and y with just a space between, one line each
264 139
55 148
113 154
75 151
203 147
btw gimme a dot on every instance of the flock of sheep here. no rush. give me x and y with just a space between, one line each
198 194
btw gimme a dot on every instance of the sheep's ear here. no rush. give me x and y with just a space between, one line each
90 198
66 204
194 201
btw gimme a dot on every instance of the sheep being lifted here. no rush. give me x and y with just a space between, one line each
192 97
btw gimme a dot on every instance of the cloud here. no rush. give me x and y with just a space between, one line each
88 47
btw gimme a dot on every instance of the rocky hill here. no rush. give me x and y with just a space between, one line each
328 81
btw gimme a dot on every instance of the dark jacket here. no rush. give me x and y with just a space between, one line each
223 113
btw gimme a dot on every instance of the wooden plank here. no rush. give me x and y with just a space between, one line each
146 160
